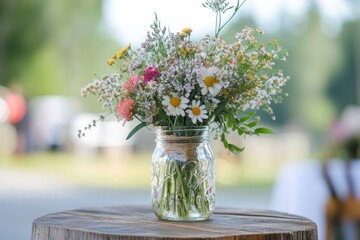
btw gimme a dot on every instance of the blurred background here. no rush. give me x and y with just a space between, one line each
50 49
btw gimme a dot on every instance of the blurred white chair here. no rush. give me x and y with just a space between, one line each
106 134
301 189
50 118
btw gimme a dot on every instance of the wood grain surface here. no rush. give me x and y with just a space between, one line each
139 222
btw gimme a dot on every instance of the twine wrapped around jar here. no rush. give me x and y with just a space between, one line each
186 146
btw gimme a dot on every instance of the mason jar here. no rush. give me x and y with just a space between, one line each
183 178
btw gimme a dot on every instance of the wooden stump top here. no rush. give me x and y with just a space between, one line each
139 222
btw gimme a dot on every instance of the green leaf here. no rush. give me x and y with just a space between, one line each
223 139
219 109
240 131
137 128
235 149
249 116
263 131
252 124
230 121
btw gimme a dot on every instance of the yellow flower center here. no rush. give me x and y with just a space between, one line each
209 81
196 111
175 101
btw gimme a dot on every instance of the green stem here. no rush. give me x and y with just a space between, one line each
219 26
179 173
238 6
183 189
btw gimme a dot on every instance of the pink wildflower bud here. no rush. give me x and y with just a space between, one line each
129 85
151 73
125 108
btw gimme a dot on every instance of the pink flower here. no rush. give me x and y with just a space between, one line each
151 73
129 85
125 108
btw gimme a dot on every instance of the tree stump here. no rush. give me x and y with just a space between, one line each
139 222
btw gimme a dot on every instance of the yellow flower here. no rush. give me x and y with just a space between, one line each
111 61
269 56
120 53
249 77
182 34
187 31
224 93
239 56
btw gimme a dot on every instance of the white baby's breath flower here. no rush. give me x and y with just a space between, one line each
175 105
152 85
197 112
209 81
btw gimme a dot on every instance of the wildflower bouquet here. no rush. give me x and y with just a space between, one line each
172 81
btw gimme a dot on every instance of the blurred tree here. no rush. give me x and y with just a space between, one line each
52 47
22 32
313 60
344 88
355 6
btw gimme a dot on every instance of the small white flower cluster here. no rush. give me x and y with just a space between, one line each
108 89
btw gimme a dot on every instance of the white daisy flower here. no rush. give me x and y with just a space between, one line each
197 112
175 105
209 82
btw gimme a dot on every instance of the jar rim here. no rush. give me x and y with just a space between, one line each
186 132
172 128
181 129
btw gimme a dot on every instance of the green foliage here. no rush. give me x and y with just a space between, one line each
22 33
243 124
344 85
49 46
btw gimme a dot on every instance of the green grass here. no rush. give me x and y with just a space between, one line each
126 170
86 171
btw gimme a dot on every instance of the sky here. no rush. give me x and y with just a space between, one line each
128 21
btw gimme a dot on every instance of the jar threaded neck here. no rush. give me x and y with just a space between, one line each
182 134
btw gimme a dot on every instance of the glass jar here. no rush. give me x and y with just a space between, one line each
183 178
